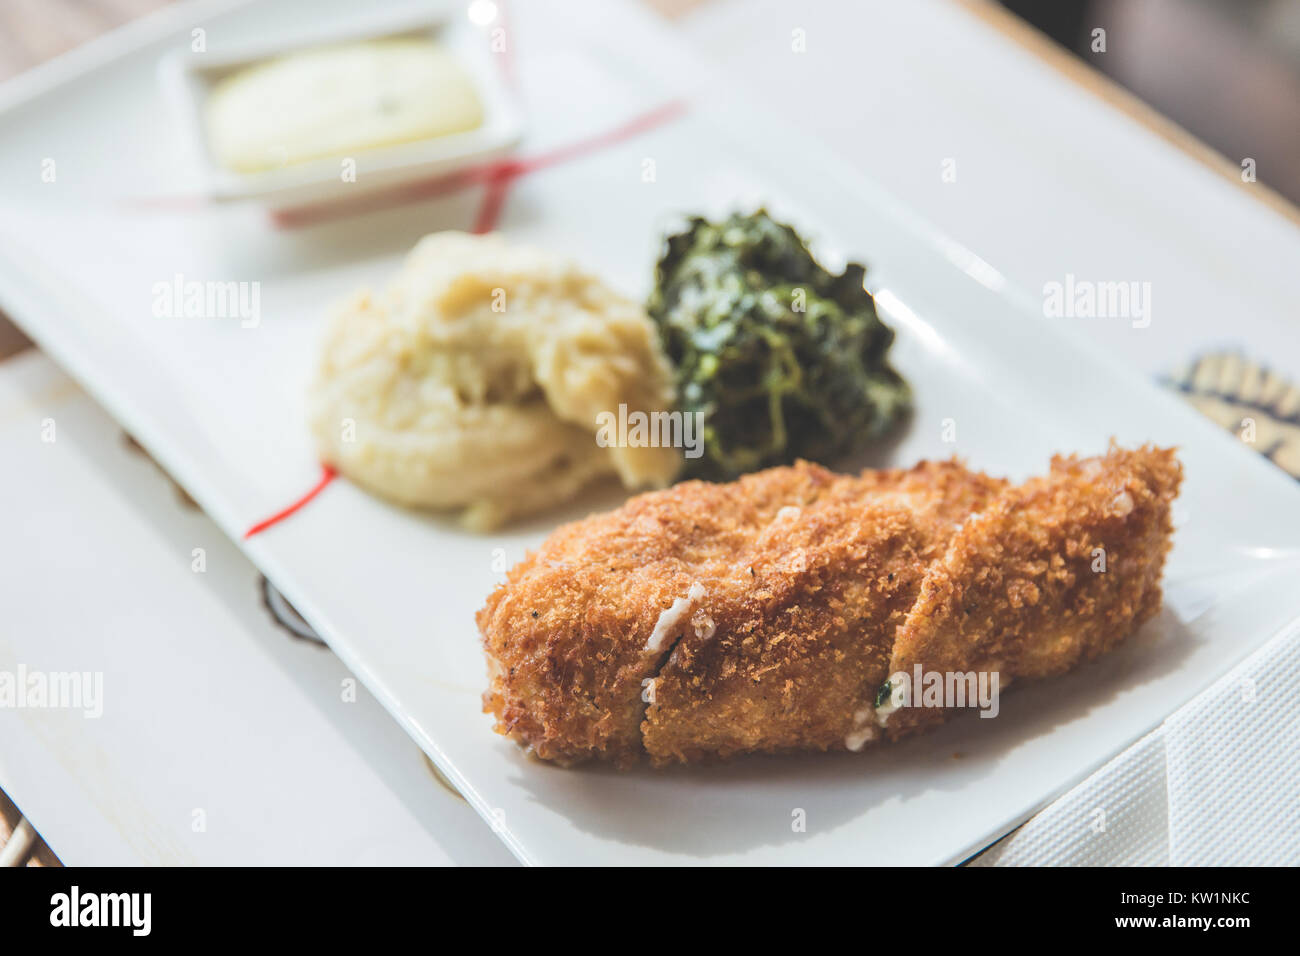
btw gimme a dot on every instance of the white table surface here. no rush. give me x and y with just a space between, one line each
98 566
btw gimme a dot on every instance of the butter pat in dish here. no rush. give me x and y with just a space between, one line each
337 100
333 114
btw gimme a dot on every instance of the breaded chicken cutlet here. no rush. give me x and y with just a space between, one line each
766 614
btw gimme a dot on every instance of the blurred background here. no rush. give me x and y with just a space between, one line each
1228 71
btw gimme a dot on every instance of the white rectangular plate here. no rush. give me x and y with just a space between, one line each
395 592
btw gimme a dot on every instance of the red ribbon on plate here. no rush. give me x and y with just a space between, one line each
327 474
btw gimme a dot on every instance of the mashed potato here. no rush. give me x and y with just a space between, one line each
475 380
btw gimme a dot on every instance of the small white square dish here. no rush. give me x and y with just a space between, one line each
462 40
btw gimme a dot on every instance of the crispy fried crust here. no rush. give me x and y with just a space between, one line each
566 635
1056 571
809 645
764 614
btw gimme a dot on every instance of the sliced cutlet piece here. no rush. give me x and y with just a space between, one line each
1021 589
581 623
795 663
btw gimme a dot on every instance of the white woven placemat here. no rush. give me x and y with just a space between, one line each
1214 785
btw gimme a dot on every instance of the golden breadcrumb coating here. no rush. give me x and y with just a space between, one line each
802 645
765 614
1054 572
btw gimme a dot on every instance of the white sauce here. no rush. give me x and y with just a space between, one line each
858 738
862 731
669 619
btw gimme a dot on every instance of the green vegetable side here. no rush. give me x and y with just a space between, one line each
782 359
